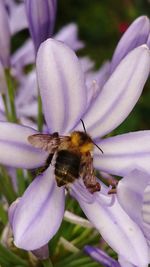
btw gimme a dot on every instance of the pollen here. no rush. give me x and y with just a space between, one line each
86 148
75 138
81 141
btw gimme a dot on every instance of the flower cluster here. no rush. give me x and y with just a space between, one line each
70 91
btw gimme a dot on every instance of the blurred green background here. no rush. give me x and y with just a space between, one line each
101 24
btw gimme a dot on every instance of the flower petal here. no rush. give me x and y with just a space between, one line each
15 149
17 24
100 256
4 36
136 35
118 230
146 212
134 198
123 153
130 191
41 16
119 94
125 263
69 35
22 57
39 212
62 87
42 253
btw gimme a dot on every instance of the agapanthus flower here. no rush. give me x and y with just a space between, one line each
38 215
136 34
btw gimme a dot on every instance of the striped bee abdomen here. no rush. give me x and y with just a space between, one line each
67 167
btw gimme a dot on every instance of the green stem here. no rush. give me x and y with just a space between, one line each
6 186
11 95
83 236
20 181
67 260
47 263
6 107
40 114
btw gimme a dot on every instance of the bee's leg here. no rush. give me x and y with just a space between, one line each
112 191
92 188
113 183
41 169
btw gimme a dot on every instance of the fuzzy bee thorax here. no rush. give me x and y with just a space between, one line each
82 141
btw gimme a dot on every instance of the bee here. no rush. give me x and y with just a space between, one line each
73 157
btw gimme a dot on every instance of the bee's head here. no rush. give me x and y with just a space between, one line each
82 140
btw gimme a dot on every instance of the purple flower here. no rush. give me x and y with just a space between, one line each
38 215
136 35
100 256
41 17
4 36
134 196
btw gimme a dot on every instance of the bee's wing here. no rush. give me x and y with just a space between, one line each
87 174
46 142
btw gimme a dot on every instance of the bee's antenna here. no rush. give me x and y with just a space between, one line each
98 148
83 125
86 133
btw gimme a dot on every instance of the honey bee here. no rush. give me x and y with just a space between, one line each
73 157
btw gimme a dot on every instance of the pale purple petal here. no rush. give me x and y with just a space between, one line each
18 19
126 263
146 212
61 84
4 36
100 256
119 94
69 35
39 212
95 81
22 57
123 153
148 41
41 16
12 209
118 230
133 193
136 35
15 149
130 191
42 253
27 90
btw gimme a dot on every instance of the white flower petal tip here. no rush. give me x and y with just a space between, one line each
61 82
39 212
